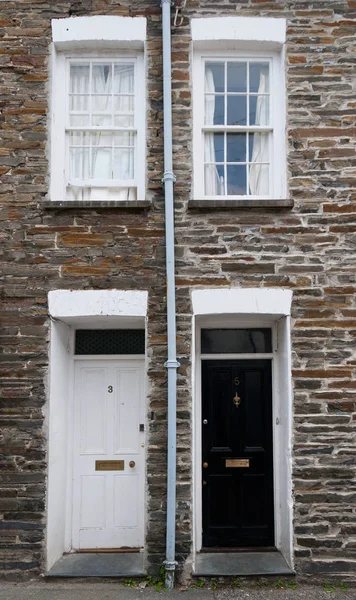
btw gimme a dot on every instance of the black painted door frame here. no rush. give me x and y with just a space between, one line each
237 497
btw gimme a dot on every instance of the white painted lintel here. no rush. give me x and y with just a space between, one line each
68 304
99 31
265 30
252 301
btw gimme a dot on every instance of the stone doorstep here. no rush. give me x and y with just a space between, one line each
100 564
241 563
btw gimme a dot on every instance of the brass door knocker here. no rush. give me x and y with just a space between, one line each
236 400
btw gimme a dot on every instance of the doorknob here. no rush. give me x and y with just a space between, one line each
132 464
236 400
205 422
205 465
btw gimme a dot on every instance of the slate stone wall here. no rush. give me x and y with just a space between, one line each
309 249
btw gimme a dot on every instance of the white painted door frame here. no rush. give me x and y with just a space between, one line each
281 398
70 310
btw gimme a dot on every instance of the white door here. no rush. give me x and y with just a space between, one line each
108 454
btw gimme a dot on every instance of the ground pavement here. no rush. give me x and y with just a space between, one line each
70 590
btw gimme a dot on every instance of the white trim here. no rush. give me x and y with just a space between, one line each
246 308
246 29
64 304
99 32
70 310
252 301
277 128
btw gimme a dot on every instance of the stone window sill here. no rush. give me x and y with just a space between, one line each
241 204
65 204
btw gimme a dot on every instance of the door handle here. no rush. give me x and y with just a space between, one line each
205 465
132 464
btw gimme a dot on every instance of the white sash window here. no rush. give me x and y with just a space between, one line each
237 128
239 122
98 109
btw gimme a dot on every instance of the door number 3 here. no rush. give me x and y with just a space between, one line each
110 389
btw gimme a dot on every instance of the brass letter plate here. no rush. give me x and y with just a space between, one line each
237 462
109 465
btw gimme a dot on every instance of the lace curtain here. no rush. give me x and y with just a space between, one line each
103 163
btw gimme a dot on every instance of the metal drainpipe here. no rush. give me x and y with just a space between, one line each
171 364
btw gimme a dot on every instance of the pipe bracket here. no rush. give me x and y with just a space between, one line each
168 176
170 565
172 364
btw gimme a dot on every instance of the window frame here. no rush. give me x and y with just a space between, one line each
277 144
59 175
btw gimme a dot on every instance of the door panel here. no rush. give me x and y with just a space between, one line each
93 411
126 494
127 406
237 409
92 501
108 505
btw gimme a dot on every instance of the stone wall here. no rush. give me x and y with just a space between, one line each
309 249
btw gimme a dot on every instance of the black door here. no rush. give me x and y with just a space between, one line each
237 461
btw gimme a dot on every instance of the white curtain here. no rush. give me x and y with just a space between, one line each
79 84
124 168
101 167
214 186
259 174
104 165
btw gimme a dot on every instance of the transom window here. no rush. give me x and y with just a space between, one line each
103 116
234 118
236 341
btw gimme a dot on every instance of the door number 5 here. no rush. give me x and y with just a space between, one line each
110 389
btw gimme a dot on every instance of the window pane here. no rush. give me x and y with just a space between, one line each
101 139
101 103
124 104
214 110
219 341
79 103
124 78
214 180
124 139
79 79
101 79
236 147
123 121
79 163
214 77
236 180
214 147
123 164
236 77
259 110
259 179
78 120
259 78
236 110
101 120
258 147
101 163
79 138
